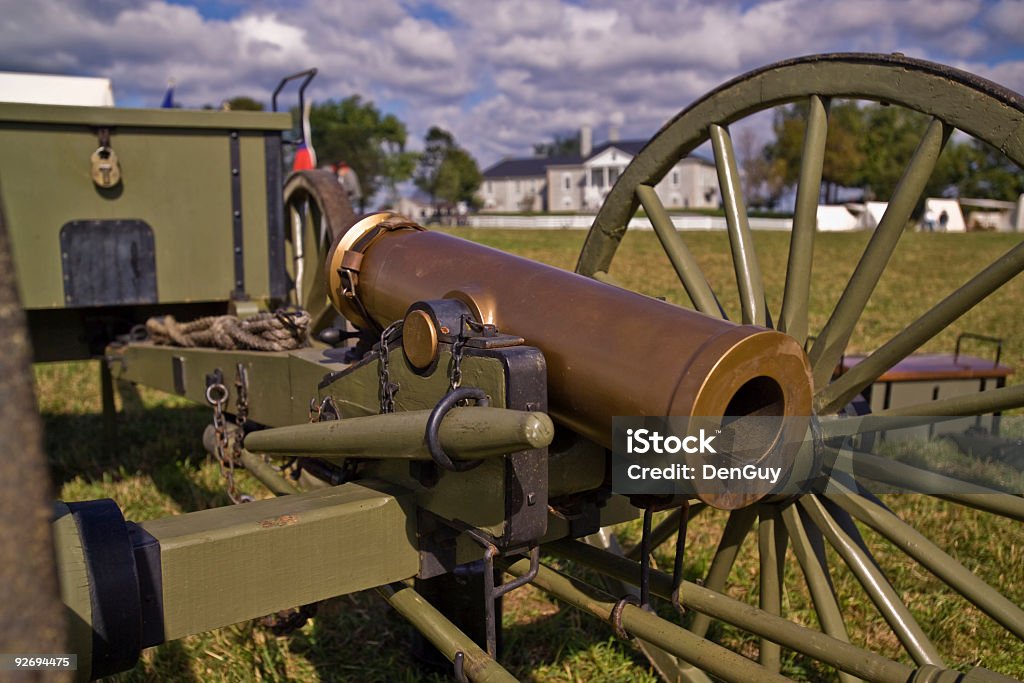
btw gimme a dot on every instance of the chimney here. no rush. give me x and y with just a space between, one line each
613 133
586 140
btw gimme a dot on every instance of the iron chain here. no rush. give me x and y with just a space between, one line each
455 368
217 396
242 395
468 327
387 390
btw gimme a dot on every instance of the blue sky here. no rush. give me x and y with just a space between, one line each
499 75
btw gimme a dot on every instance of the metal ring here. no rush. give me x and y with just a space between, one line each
433 437
616 616
220 390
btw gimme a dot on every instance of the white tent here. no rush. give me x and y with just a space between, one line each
933 208
835 218
47 89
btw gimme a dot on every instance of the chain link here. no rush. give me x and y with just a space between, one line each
387 390
467 326
217 396
455 367
242 396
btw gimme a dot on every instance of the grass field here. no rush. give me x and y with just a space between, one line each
161 469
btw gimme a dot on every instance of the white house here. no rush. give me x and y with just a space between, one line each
515 185
416 206
582 182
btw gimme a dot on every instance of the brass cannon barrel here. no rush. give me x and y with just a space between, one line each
609 352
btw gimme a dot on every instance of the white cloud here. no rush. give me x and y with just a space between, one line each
259 32
501 77
423 42
1006 19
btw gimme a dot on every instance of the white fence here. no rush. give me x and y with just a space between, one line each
583 222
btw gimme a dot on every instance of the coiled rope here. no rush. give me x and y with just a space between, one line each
282 330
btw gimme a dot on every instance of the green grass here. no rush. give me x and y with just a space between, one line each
161 469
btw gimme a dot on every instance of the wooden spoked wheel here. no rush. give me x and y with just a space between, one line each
824 529
316 210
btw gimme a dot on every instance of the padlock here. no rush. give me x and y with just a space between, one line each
106 171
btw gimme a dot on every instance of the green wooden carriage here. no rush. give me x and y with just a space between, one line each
198 191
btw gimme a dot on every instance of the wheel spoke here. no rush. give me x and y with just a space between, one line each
934 559
832 341
604 277
744 257
771 544
714 659
690 274
443 634
811 556
793 320
665 663
735 531
981 403
1002 504
297 212
875 584
927 413
842 390
907 477
789 634
851 426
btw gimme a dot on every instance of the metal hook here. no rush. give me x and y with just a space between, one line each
677 568
459 664
616 616
433 436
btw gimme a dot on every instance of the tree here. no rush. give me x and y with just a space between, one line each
445 170
889 137
244 103
437 142
763 178
562 146
844 155
869 146
459 177
981 170
373 144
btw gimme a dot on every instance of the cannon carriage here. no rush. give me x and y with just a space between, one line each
457 416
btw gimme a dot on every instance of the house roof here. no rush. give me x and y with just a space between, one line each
529 166
537 166
631 147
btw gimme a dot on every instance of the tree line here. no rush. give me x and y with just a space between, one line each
373 143
867 149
